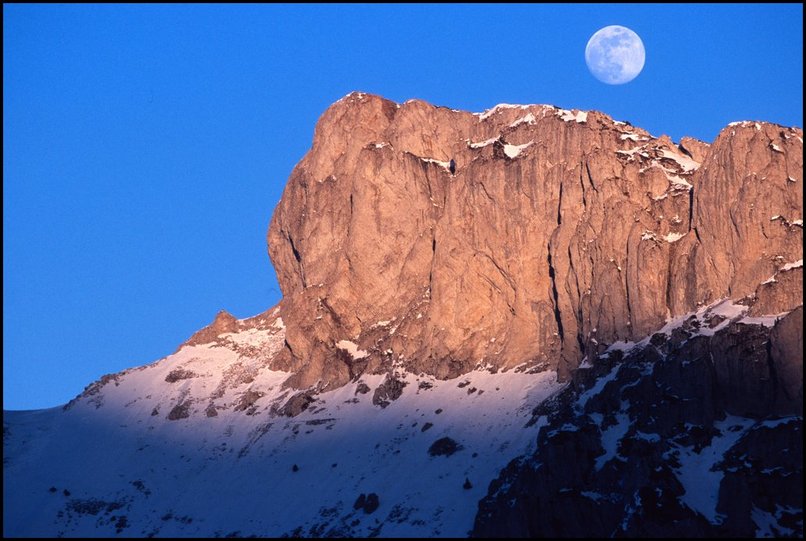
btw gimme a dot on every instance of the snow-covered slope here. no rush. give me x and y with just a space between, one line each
202 443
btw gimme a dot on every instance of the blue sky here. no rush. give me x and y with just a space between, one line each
145 147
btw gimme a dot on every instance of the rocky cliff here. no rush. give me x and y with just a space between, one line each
694 432
524 322
523 236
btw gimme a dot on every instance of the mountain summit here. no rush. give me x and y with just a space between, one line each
559 231
530 321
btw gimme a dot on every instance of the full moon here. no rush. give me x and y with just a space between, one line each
615 55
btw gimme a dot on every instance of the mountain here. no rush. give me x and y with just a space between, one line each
528 321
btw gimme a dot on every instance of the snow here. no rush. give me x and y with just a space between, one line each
629 136
233 471
596 389
444 165
676 180
513 151
501 106
776 148
352 349
673 237
767 524
611 437
568 116
795 265
687 164
772 423
640 150
528 119
724 308
697 474
766 321
483 143
797 222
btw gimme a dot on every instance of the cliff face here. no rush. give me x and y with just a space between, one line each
556 231
698 432
422 251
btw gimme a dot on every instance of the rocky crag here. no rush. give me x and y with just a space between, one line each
696 431
530 321
556 232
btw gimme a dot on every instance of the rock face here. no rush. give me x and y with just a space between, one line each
684 436
558 231
422 253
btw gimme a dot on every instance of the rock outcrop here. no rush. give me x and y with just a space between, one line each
558 231
440 270
693 434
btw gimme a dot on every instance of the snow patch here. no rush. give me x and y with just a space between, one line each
513 151
673 237
795 265
501 106
528 119
568 116
686 163
483 143
352 349
766 321
611 437
696 472
445 165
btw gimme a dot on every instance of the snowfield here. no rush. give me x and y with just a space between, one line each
197 444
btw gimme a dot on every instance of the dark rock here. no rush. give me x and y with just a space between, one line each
247 401
743 370
444 447
362 388
389 390
786 355
467 484
426 426
371 503
368 502
295 468
180 411
296 404
670 399
178 374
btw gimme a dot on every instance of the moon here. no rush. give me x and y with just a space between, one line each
615 55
